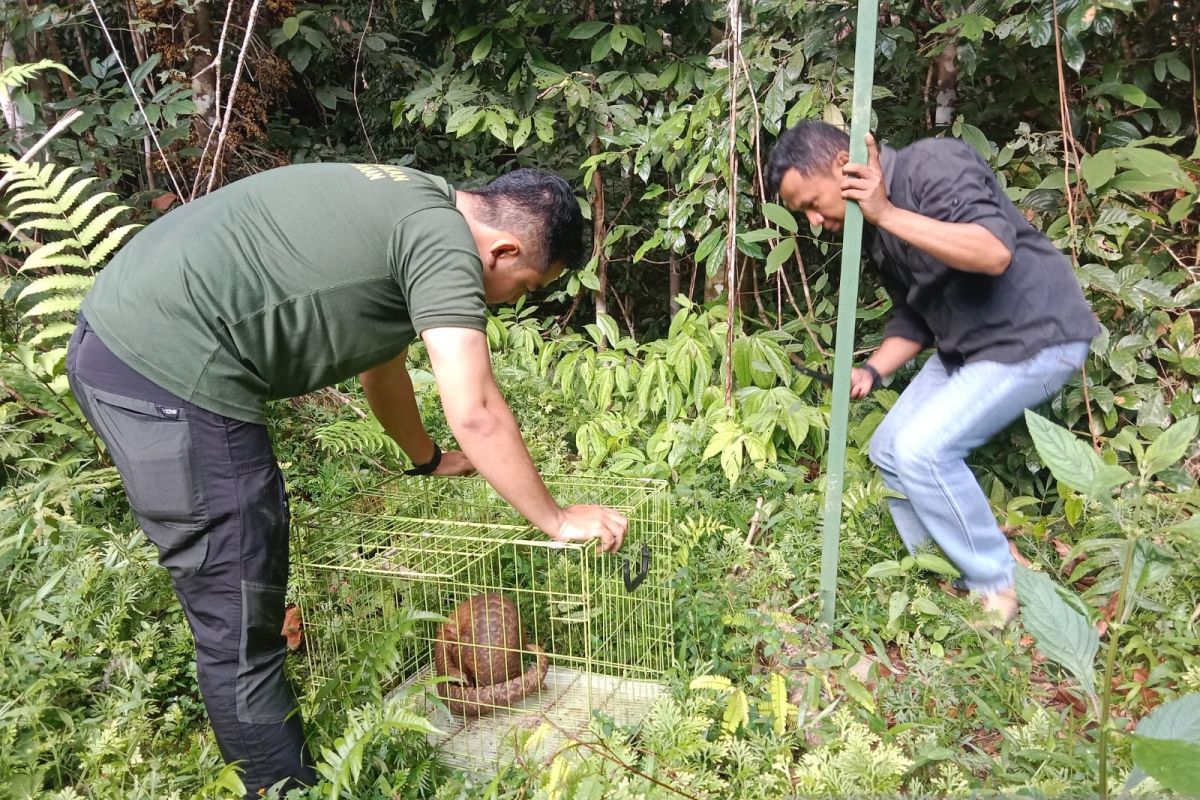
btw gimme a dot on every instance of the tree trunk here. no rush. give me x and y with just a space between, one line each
947 86
203 47
12 114
673 290
598 234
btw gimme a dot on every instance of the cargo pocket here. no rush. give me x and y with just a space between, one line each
151 445
263 693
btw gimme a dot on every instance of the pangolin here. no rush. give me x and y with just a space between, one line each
480 649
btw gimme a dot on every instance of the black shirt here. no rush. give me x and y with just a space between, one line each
970 316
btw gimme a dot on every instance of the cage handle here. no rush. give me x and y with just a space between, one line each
634 582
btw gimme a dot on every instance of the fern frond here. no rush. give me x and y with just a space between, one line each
37 193
72 194
50 283
81 215
52 254
44 224
55 305
102 251
60 182
19 74
97 226
49 207
52 332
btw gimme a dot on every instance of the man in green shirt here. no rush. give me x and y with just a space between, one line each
275 286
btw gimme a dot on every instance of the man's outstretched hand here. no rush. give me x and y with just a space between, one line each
455 464
581 523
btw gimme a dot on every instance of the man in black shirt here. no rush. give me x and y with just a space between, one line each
969 275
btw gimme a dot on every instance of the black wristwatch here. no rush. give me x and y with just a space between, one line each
428 468
876 378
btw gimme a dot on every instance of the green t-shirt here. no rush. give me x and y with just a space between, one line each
288 281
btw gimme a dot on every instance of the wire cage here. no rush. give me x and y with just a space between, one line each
536 631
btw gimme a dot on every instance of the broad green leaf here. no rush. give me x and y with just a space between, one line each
1098 168
1062 633
976 138
779 255
1181 208
291 26
1073 52
1171 445
602 47
1152 163
587 30
1171 762
884 569
780 216
1073 462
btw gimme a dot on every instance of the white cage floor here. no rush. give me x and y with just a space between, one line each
480 745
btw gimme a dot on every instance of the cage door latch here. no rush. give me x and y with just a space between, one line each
635 581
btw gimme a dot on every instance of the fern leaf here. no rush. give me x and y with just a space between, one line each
101 252
39 261
72 194
52 332
44 224
38 208
49 255
97 226
49 283
60 182
37 193
80 215
55 305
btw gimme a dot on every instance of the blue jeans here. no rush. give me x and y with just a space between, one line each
921 447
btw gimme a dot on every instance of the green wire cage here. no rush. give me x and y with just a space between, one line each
536 630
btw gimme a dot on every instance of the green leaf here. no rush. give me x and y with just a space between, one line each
780 216
779 255
1098 168
602 47
976 138
1062 633
1181 208
1073 462
1153 163
587 30
716 683
290 27
482 48
1171 445
1073 52
935 563
737 712
884 569
1171 762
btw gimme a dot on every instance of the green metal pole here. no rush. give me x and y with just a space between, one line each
835 467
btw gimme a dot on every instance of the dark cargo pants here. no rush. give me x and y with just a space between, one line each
208 493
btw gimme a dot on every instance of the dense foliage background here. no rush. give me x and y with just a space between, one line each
661 114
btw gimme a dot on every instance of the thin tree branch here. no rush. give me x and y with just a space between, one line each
137 99
49 135
237 76
354 83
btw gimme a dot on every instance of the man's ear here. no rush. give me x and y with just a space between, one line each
505 246
841 160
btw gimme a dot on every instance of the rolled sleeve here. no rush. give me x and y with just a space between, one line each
955 184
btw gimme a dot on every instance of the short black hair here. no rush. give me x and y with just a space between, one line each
542 208
808 147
